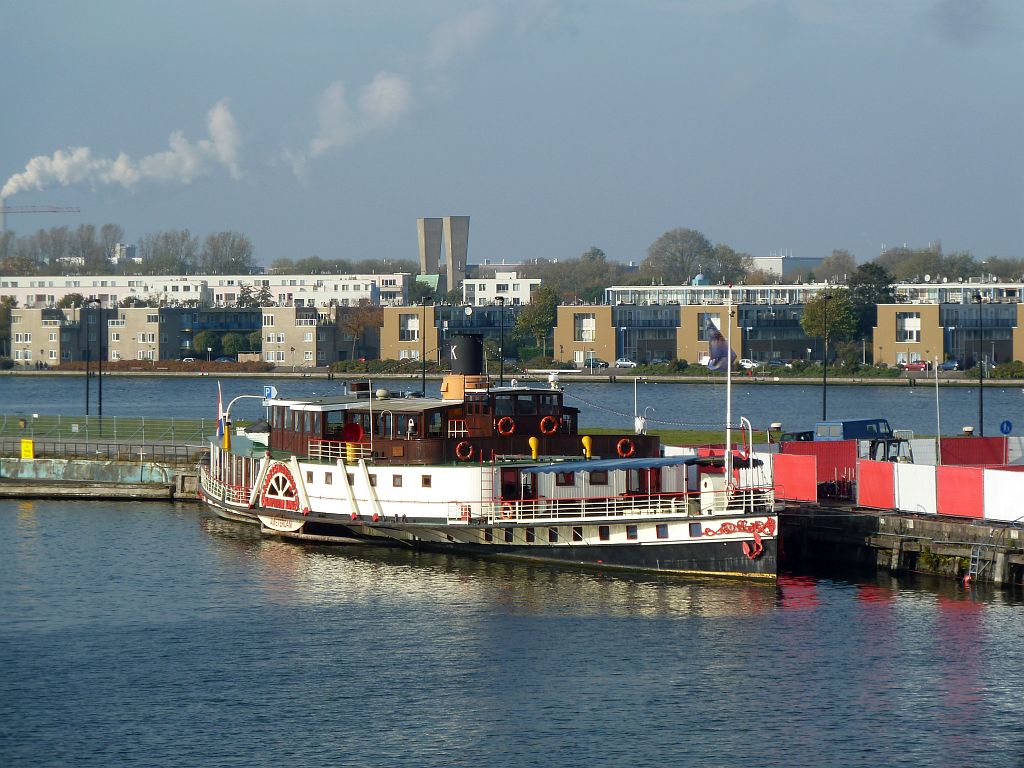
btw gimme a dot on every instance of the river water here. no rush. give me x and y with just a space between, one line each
154 634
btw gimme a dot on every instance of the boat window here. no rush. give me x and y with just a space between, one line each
396 481
296 421
531 536
548 404
694 530
565 478
502 406
309 421
373 481
328 478
434 425
552 534
631 532
662 529
577 533
508 535
599 477
603 532
425 481
525 405
309 477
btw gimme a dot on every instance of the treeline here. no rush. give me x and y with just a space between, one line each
88 250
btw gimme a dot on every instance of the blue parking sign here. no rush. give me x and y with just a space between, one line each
1006 427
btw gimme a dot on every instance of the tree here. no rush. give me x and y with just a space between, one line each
418 291
677 256
246 298
226 253
207 340
168 253
354 321
869 286
233 343
7 303
110 235
255 340
264 298
537 319
837 267
69 300
829 315
727 266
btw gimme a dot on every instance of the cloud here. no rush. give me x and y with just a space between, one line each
181 163
460 36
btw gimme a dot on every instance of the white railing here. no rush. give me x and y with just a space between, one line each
736 502
332 450
234 494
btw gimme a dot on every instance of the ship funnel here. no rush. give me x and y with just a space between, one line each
466 354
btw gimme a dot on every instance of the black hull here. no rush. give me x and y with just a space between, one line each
709 558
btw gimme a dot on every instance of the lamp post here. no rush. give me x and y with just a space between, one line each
501 341
981 368
99 360
208 351
622 330
88 354
824 358
423 345
747 352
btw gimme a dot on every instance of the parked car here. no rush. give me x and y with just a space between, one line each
660 361
918 365
225 359
595 362
188 359
950 365
624 362
748 364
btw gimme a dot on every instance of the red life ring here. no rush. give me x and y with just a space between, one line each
507 511
625 448
549 425
506 426
464 451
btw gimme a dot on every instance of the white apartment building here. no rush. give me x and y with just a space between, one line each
481 291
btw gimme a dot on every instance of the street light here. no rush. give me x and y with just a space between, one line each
501 342
88 354
747 352
825 297
208 351
981 368
423 345
99 360
623 330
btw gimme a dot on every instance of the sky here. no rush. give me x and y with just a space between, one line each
326 128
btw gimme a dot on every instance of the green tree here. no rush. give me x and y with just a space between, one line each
264 298
537 319
677 256
233 343
207 340
246 297
727 266
869 286
829 316
7 303
418 291
69 300
255 340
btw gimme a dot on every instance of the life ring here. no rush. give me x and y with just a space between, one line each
549 425
506 426
507 510
464 451
625 448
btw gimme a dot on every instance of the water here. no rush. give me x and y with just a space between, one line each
676 404
153 634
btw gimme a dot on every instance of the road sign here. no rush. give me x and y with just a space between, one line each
269 393
1006 427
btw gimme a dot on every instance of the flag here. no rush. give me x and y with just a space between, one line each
220 412
720 357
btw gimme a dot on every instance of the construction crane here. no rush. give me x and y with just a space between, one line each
5 209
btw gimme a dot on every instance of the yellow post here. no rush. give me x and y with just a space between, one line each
28 450
534 446
350 453
587 443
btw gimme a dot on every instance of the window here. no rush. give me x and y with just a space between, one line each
307 336
531 536
552 534
308 354
280 356
662 529
270 338
309 477
280 338
396 481
599 477
508 535
694 530
152 318
53 354
603 532
53 336
270 357
565 478
351 478
584 326
425 481
328 478
268 320
373 481
577 533
631 532
115 337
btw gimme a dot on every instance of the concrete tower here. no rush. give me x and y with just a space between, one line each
429 231
456 244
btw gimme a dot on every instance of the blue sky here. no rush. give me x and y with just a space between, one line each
326 128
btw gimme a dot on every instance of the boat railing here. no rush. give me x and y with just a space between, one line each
732 502
332 450
234 494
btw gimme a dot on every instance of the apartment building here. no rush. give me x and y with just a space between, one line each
504 286
307 337
409 332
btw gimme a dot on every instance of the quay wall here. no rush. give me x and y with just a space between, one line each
95 479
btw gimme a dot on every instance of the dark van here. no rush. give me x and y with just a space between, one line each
853 429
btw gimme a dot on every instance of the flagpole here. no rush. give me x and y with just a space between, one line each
728 394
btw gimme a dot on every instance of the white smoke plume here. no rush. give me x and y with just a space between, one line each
381 103
183 162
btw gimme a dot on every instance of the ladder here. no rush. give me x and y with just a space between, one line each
486 488
977 565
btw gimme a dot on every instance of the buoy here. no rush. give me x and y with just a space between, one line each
549 425
625 448
506 426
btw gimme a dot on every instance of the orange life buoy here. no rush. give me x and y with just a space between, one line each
625 448
549 425
507 510
464 451
506 426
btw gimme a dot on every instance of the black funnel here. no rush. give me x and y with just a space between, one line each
466 353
